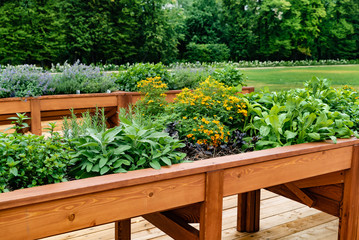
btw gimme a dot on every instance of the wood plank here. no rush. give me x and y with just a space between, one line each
326 179
190 214
304 198
17 106
35 125
123 230
248 211
251 177
98 208
211 208
175 229
334 192
349 214
68 103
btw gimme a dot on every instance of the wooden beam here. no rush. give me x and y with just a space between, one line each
64 215
35 117
260 175
248 211
349 212
123 229
175 228
325 179
210 227
300 194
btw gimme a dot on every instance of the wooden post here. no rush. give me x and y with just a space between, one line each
210 227
123 230
349 212
35 116
248 211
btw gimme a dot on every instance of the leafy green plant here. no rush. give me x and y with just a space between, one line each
19 123
207 52
128 147
31 160
293 117
128 80
230 76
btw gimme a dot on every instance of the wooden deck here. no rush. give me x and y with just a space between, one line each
281 218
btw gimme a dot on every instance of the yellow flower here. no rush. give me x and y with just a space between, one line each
230 118
151 101
190 135
184 117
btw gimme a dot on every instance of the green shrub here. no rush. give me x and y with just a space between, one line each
130 146
187 77
87 79
230 76
207 52
31 160
127 80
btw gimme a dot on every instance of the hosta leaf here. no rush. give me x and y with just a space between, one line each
103 162
166 160
104 170
155 164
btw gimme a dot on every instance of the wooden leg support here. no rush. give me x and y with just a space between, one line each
123 230
210 227
349 212
248 211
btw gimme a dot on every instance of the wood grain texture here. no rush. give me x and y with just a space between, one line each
54 217
178 230
304 198
321 180
255 176
248 211
68 103
16 106
210 227
35 125
123 230
349 211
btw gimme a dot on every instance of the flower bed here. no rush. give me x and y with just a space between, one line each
212 120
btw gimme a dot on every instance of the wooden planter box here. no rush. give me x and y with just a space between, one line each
192 192
55 107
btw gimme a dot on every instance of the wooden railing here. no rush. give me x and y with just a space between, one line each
49 108
156 194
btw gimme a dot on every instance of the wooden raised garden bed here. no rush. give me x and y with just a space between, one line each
49 108
321 175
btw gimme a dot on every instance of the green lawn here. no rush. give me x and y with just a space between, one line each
294 77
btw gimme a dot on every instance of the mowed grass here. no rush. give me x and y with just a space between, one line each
294 77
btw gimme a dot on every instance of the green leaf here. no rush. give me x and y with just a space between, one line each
155 164
166 160
104 170
334 139
315 136
264 131
290 135
14 171
103 161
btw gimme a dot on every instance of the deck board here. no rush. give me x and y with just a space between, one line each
281 218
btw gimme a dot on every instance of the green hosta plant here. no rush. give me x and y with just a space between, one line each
294 117
130 146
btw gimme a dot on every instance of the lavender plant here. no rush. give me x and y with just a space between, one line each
24 81
87 79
